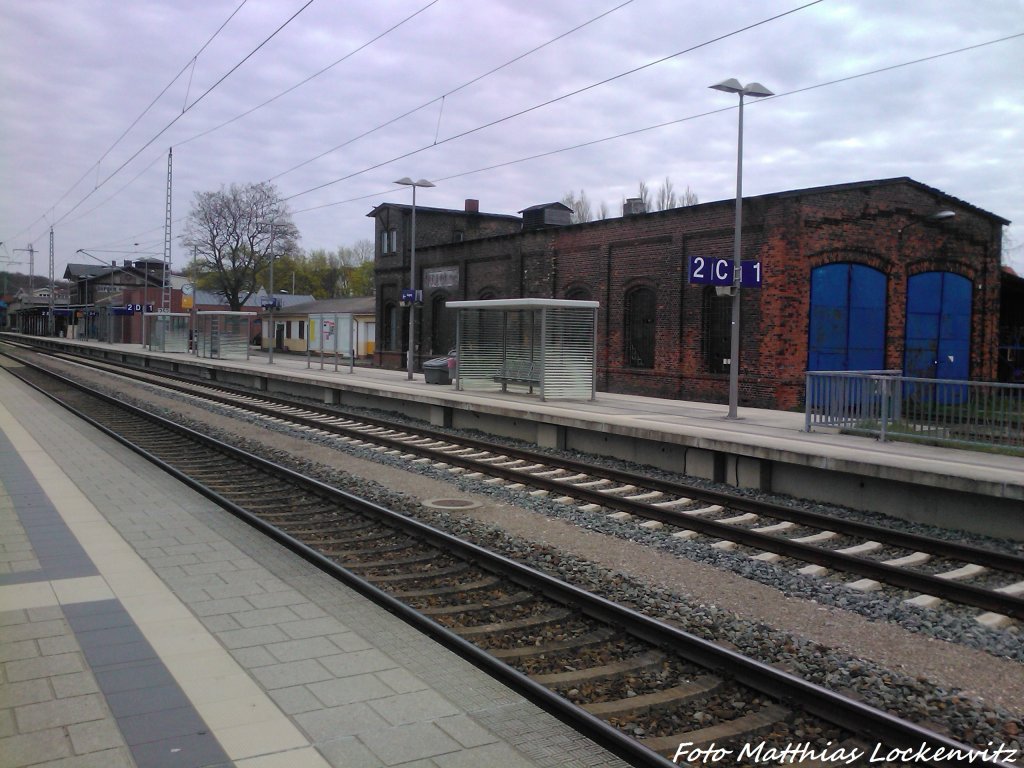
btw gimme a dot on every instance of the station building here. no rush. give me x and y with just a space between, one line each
885 274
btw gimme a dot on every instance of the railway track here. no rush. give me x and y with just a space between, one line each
642 688
867 557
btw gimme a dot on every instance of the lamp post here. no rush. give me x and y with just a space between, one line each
932 218
732 85
407 182
273 300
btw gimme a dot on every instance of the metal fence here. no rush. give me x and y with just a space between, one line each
891 406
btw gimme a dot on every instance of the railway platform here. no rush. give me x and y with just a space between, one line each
140 625
762 449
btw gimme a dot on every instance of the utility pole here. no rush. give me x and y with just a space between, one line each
31 265
31 270
50 326
165 293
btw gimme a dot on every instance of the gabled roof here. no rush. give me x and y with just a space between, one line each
357 305
542 206
82 271
883 183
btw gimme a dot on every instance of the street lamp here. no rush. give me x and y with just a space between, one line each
273 300
407 182
732 85
937 216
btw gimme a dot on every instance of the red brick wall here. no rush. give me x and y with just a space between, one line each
790 233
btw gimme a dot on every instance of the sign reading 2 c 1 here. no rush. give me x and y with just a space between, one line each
705 270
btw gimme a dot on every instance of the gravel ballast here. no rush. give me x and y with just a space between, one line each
937 666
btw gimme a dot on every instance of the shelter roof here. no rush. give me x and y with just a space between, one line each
357 305
523 304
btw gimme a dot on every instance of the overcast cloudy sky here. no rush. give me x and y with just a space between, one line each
78 74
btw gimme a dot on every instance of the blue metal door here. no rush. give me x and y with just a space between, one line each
847 325
938 334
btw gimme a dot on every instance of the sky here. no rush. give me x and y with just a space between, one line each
510 102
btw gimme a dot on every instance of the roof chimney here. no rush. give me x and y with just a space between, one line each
633 206
472 206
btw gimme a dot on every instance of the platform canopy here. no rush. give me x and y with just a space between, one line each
526 344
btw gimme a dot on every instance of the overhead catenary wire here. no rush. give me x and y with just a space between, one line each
455 90
202 96
657 126
476 79
547 103
667 123
316 74
191 62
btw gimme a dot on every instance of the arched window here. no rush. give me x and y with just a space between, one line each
847 323
938 326
577 293
442 325
717 331
392 326
639 328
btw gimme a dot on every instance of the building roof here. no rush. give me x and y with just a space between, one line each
448 211
882 183
356 305
542 206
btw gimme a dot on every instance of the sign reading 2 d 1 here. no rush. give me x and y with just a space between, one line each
705 270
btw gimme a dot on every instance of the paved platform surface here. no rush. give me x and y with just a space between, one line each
142 626
757 432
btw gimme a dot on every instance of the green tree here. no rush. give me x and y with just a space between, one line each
362 279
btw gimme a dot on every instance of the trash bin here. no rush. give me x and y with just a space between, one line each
436 371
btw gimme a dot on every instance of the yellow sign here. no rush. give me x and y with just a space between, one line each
187 292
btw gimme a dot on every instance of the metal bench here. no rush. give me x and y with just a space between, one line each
517 372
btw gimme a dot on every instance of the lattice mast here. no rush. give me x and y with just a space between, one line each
50 314
165 295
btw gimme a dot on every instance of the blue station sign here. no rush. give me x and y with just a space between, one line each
705 270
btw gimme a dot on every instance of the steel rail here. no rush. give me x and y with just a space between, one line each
939 547
864 720
966 594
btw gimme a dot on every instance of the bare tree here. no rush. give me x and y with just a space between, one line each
232 234
581 209
602 211
666 198
645 195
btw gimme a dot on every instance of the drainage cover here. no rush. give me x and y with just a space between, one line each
451 503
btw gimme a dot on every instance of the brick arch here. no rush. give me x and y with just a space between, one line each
955 266
868 258
579 291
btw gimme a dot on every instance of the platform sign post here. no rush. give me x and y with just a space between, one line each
705 270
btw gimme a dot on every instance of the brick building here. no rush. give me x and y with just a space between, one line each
855 276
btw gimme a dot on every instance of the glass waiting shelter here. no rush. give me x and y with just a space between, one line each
522 345
167 331
224 335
